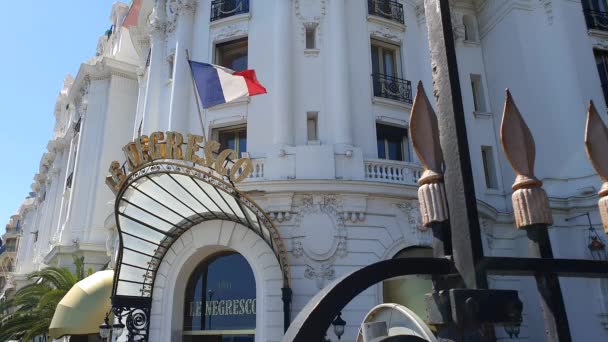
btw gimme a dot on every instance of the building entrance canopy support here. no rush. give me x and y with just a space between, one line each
155 205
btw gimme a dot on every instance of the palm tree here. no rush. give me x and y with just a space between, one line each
29 312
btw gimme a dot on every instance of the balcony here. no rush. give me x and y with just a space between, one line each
221 9
391 10
596 20
391 171
392 88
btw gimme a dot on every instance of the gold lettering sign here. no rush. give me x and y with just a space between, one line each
228 307
170 145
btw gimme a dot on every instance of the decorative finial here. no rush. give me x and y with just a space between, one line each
424 132
596 144
530 201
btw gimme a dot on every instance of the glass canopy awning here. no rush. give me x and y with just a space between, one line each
156 204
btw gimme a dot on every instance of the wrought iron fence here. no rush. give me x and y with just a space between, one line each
221 9
596 20
393 88
391 10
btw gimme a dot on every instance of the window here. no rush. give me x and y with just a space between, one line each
409 290
392 142
479 102
234 138
312 127
311 33
385 58
470 28
220 300
232 55
595 5
601 60
170 66
489 169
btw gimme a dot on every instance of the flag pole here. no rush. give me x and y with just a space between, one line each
198 106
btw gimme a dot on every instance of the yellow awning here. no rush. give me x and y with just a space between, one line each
84 307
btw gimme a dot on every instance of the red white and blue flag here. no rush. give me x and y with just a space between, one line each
218 85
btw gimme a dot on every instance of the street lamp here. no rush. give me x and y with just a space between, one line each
512 329
339 325
117 329
105 329
595 244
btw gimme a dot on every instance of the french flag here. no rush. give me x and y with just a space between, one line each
217 85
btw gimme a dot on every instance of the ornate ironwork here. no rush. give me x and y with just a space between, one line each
393 88
146 233
391 10
135 313
221 9
596 20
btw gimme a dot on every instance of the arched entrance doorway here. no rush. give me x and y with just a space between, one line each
220 301
170 215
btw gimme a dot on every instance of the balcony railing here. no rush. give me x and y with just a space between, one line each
391 171
221 9
596 20
391 10
393 88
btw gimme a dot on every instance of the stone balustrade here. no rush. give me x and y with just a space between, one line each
391 171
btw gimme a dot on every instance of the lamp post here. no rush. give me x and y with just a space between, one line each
595 244
339 325
106 331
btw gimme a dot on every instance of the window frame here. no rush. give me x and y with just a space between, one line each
234 45
235 129
382 45
489 167
405 149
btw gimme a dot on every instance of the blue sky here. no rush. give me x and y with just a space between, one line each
42 42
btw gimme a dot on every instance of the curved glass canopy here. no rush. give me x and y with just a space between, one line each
155 206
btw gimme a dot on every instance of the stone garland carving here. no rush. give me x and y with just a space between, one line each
385 32
156 26
175 8
421 233
230 31
302 17
320 274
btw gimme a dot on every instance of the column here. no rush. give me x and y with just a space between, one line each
337 79
182 93
282 74
152 115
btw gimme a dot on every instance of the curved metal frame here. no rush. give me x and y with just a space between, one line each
312 322
136 309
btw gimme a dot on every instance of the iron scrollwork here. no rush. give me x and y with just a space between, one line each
393 88
136 316
221 9
596 20
390 10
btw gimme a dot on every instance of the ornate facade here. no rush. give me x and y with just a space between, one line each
333 166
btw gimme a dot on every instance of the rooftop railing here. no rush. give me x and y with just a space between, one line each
391 10
221 9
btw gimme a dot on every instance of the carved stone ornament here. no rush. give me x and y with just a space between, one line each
530 201
319 232
596 144
424 131
421 233
230 32
320 274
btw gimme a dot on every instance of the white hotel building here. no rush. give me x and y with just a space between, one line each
333 166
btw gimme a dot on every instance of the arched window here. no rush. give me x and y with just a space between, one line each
409 290
220 302
470 28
